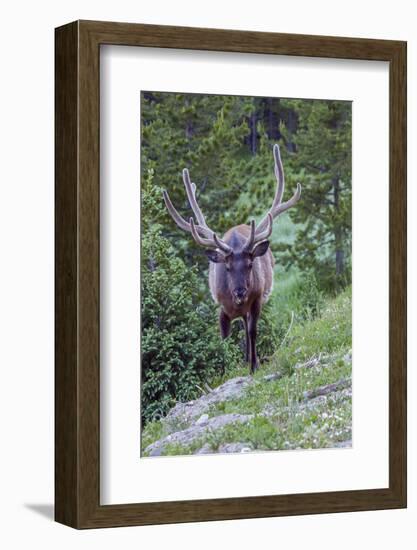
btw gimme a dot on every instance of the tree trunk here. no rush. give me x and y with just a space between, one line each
253 136
189 130
339 254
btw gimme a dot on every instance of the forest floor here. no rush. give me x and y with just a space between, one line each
300 398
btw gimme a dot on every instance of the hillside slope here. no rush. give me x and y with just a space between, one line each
300 398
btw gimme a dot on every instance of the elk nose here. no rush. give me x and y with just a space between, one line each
240 292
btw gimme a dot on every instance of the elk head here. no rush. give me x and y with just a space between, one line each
236 261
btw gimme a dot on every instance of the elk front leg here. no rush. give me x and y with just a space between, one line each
253 322
225 324
247 339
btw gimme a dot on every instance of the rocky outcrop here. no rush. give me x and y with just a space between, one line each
343 444
197 430
329 388
183 414
192 427
207 449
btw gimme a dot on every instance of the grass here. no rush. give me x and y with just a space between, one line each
152 432
283 418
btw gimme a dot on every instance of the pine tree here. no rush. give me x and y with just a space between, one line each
322 164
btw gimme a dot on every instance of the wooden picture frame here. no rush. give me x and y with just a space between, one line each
77 372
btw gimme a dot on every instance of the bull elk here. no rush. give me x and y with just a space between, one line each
241 263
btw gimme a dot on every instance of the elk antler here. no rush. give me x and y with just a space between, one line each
201 233
264 229
257 236
278 207
204 236
209 243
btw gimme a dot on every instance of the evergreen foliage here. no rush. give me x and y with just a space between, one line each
181 348
322 163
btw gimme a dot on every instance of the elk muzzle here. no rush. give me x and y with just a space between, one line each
239 295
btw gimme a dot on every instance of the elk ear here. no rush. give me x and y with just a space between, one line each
214 256
260 249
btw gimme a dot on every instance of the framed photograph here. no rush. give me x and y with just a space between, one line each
230 274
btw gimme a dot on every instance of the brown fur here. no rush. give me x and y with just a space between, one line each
263 274
258 292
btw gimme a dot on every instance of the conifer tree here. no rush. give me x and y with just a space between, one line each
322 164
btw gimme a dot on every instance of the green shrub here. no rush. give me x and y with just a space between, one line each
181 345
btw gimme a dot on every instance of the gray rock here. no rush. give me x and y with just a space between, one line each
348 357
271 410
235 448
183 414
157 451
271 377
202 420
335 397
205 450
274 409
314 362
189 435
343 444
329 388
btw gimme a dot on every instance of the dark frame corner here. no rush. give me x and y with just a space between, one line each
77 47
